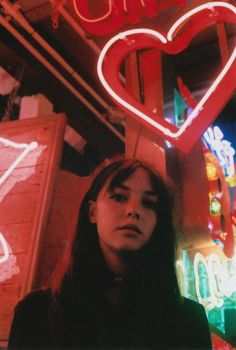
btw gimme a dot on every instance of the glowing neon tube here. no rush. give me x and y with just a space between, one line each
164 40
27 148
5 249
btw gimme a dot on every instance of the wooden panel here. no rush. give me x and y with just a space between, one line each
194 198
25 199
9 293
141 142
19 242
68 193
18 208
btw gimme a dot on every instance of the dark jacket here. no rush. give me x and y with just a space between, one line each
107 326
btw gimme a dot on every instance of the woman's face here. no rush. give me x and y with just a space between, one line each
125 217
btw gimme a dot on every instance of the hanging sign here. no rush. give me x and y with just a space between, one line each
26 148
8 264
221 148
219 278
174 41
29 156
116 13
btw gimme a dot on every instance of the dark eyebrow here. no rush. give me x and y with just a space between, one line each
148 193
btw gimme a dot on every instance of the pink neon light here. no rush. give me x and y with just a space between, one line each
27 148
96 19
125 4
209 6
8 260
6 251
8 266
125 36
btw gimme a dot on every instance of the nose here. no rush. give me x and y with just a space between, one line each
134 214
133 208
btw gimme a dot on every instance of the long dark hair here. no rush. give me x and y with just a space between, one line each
156 273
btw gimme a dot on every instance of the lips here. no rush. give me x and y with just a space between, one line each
131 228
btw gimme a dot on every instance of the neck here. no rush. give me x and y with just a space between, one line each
120 263
117 265
120 267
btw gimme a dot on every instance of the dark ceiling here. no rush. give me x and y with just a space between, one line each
104 137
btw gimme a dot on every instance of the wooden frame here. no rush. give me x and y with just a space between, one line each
25 199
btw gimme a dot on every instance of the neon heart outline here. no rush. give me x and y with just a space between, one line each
164 128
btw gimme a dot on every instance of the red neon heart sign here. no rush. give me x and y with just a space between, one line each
176 40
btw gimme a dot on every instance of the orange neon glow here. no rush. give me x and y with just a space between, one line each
211 171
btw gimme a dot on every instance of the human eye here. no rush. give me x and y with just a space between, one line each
119 197
150 203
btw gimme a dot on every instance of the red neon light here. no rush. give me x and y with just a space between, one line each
8 266
6 250
26 149
119 12
220 344
212 102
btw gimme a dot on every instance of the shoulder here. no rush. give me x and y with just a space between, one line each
30 321
40 295
36 300
193 313
192 318
33 306
192 306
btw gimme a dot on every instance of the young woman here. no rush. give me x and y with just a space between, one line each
120 290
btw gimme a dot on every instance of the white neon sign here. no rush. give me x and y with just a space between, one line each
210 6
223 149
7 259
5 248
27 148
170 35
221 279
